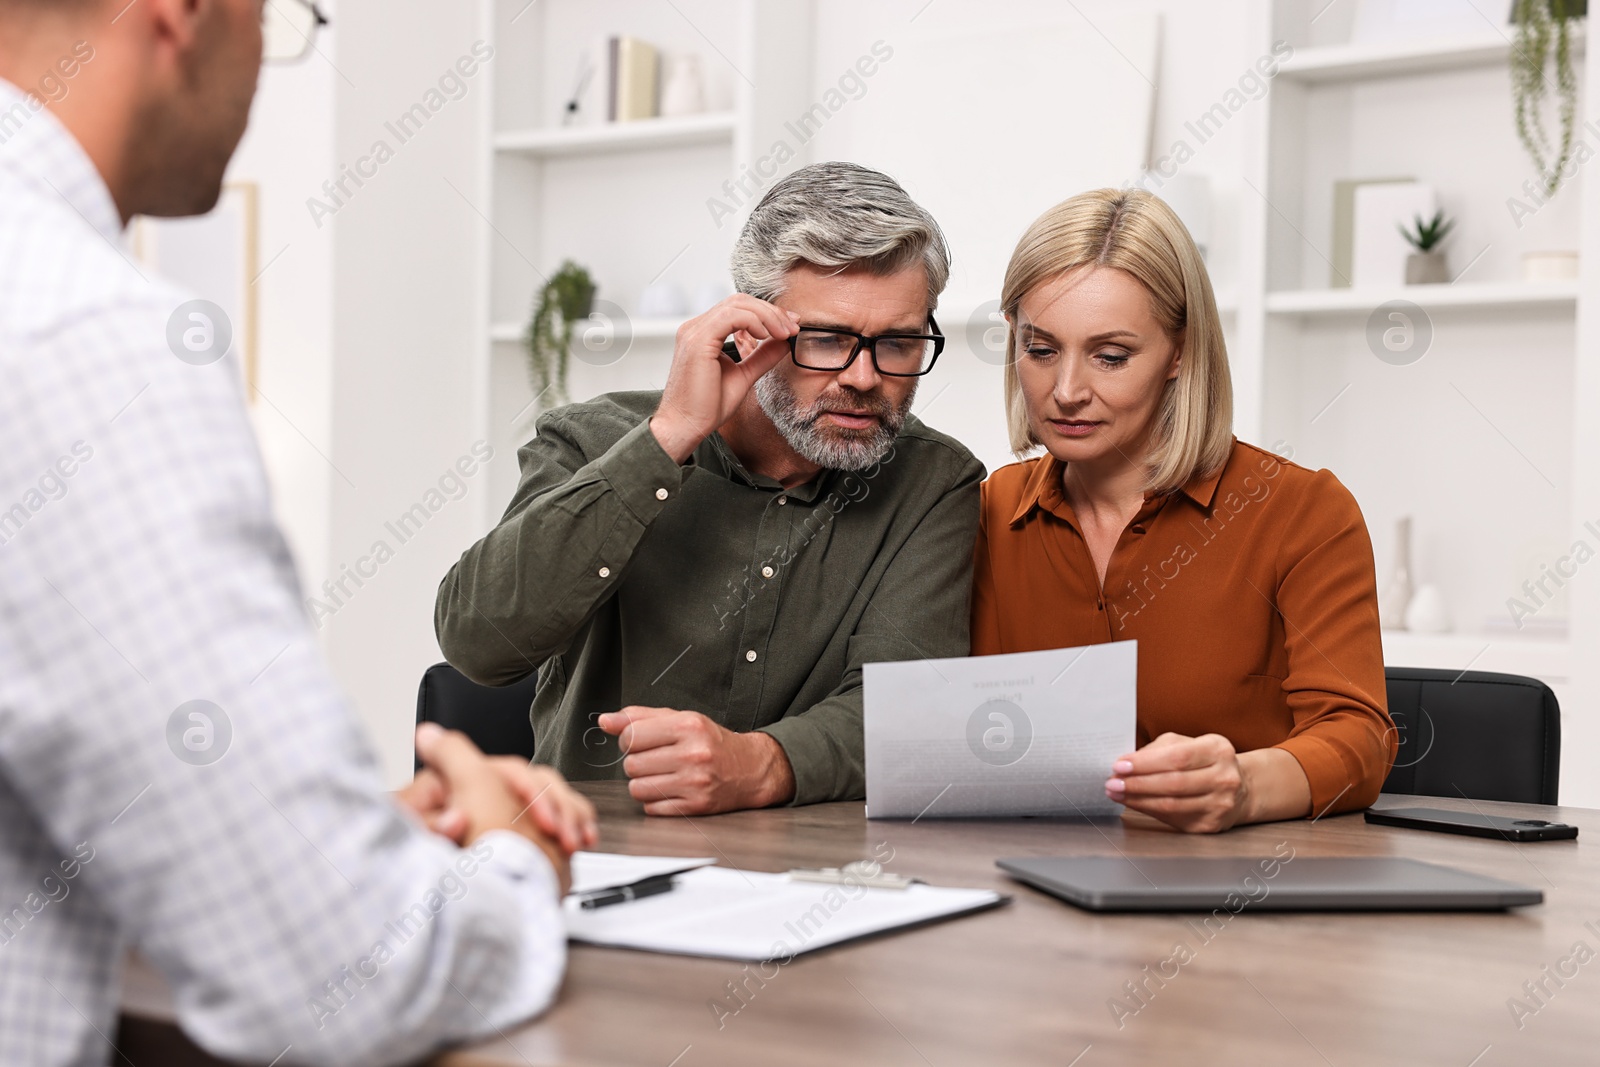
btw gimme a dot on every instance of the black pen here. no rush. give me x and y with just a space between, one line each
644 887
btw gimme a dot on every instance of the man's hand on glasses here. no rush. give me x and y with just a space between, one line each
704 387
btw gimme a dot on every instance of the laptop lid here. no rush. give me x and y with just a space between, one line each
1271 883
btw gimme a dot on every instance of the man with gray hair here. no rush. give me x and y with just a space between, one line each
699 574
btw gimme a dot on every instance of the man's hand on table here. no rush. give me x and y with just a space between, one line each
682 763
462 794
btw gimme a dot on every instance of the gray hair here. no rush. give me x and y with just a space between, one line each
837 215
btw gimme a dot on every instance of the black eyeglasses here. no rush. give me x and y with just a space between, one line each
289 29
894 355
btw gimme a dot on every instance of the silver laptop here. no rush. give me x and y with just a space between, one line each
1270 883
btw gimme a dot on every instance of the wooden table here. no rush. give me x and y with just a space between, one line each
1040 982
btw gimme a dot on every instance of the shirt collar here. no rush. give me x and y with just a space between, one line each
716 454
1043 490
38 152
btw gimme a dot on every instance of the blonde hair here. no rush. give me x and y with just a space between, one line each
1134 231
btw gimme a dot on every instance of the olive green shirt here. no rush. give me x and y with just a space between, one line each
624 578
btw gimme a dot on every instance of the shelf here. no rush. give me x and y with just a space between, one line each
1387 59
1544 658
713 128
1428 297
643 330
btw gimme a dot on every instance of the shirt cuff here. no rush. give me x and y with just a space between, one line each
1335 786
641 473
518 859
811 758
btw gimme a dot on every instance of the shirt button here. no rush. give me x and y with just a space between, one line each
783 500
661 494
767 572
750 657
605 572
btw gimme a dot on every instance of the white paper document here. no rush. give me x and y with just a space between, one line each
755 916
1025 733
603 870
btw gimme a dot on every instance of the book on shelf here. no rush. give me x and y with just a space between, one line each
1344 226
632 70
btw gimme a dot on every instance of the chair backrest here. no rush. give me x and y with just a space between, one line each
496 719
1475 734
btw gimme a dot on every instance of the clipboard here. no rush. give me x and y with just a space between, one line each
755 916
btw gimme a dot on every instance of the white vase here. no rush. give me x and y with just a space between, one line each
1395 597
1428 613
683 90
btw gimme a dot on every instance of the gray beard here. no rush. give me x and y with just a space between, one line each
834 448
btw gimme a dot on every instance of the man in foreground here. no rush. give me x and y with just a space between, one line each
177 772
699 574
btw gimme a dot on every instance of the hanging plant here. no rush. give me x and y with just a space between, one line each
566 299
1544 34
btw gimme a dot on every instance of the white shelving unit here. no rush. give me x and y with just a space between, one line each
640 135
1367 60
1484 440
629 201
642 329
1489 296
1544 658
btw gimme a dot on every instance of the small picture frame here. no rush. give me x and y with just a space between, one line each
214 256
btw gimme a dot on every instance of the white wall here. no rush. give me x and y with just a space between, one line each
988 153
368 327
407 268
288 149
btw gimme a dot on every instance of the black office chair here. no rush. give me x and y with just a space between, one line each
1476 734
496 719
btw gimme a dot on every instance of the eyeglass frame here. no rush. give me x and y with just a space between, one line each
319 20
870 344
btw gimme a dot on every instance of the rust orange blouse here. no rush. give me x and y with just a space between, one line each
1251 594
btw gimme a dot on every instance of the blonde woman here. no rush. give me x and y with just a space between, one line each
1247 580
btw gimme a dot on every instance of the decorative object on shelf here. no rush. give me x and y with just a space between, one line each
1544 37
1427 613
708 294
1378 251
662 300
1344 226
634 73
1395 598
566 299
1393 20
1427 266
575 109
683 87
1549 266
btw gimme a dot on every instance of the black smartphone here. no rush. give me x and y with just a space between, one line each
1503 827
731 350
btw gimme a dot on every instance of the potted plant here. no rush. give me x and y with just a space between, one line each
566 299
1544 33
1426 266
